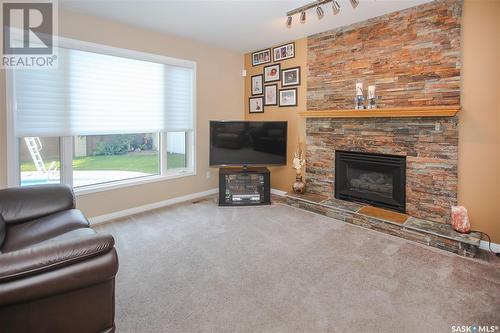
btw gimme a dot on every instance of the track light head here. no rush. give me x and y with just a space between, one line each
320 12
301 11
335 7
303 17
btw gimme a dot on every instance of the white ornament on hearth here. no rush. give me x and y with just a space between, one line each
298 160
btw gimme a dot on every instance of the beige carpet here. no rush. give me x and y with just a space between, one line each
201 268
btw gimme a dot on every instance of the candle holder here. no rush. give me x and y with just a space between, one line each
360 98
372 99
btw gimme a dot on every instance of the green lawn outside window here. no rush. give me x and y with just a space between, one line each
139 163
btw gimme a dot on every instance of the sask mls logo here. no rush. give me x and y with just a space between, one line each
28 34
474 328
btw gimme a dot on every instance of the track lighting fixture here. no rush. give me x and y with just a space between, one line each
319 11
303 17
335 7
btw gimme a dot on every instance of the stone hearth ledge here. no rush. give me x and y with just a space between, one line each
435 234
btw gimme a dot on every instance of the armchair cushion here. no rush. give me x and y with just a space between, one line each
29 233
22 204
52 255
59 284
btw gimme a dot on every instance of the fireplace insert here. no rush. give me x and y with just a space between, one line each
376 179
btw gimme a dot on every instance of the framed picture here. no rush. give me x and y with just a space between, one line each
261 57
288 97
290 77
272 73
256 104
283 52
257 84
271 94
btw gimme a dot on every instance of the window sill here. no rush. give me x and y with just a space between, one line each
84 190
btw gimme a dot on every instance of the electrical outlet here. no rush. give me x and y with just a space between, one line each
209 175
437 126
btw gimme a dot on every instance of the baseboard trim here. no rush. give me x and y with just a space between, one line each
140 209
494 246
278 192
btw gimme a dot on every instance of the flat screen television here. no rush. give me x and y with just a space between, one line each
242 143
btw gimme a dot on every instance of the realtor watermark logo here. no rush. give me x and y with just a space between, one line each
474 328
29 34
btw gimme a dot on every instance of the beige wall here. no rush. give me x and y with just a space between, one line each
219 96
283 177
479 132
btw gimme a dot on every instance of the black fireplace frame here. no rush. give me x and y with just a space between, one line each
397 164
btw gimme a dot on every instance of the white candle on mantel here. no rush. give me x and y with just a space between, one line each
359 89
371 91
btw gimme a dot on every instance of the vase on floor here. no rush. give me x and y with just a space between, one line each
299 186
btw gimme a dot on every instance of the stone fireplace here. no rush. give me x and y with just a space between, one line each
429 145
357 160
413 58
376 179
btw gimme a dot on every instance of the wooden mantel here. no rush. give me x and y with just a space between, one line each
433 111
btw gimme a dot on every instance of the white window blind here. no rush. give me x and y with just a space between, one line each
91 93
179 98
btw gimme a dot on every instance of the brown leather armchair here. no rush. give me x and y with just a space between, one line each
56 273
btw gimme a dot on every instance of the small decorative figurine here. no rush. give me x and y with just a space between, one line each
460 219
298 162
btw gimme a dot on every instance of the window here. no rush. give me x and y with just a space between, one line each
176 150
39 161
101 159
104 115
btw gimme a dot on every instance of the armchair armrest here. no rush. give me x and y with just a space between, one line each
56 268
52 255
22 204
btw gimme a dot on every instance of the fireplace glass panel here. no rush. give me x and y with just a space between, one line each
367 181
376 179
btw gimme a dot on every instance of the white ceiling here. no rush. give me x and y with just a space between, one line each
237 25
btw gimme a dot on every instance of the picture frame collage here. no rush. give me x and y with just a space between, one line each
264 86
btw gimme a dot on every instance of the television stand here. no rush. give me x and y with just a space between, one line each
244 186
